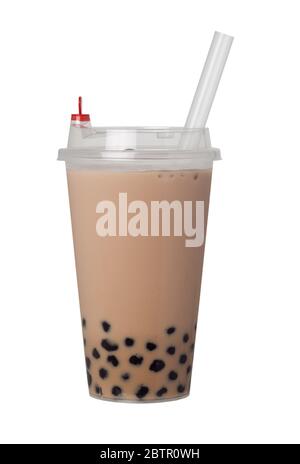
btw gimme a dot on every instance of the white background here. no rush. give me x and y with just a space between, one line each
138 62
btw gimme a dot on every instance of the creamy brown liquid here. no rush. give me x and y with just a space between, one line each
139 286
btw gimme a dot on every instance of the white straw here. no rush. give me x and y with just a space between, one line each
209 80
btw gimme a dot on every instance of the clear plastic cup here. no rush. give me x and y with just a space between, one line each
139 281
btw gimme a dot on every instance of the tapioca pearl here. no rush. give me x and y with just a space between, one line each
113 360
170 330
151 346
182 358
106 326
103 373
129 341
98 390
136 360
89 378
157 365
83 322
171 350
142 391
116 391
173 375
180 388
88 362
188 370
108 345
125 376
162 391
195 176
96 353
185 338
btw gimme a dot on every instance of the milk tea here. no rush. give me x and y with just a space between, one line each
139 295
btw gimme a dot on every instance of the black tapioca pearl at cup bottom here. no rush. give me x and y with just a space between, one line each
185 338
182 358
157 365
171 350
162 391
106 326
113 360
180 388
116 391
83 322
108 345
98 390
96 353
88 362
103 373
170 330
89 378
142 392
189 368
125 376
136 360
173 375
129 341
151 346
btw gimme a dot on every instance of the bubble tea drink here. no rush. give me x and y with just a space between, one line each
139 207
139 202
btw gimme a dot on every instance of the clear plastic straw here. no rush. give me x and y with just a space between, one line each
209 80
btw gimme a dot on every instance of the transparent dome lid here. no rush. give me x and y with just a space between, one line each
157 146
